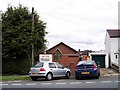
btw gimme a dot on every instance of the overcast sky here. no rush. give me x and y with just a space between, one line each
81 24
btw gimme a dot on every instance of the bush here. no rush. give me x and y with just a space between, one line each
16 66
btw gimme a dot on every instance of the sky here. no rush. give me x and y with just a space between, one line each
81 24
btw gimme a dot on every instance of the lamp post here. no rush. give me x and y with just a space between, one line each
32 33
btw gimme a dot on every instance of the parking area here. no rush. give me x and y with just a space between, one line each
108 72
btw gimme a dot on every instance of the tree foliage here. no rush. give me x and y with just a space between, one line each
17 35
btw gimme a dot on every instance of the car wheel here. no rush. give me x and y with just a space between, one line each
34 78
49 76
97 77
68 75
76 77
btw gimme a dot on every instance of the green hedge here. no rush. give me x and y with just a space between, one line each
15 66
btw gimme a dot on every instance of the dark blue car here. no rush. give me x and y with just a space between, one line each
87 68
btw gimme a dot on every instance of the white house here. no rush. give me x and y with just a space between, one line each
112 47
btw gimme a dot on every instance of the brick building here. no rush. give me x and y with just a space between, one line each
65 55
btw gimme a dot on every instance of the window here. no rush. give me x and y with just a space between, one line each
59 65
52 65
40 64
116 56
57 55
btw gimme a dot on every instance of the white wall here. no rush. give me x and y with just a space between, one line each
107 48
112 45
114 49
107 44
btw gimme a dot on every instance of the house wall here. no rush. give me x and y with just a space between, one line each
114 49
107 44
119 53
69 57
108 49
111 47
69 62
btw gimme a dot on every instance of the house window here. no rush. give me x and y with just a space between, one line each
116 56
57 55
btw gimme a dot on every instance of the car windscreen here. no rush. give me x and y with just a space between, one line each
40 64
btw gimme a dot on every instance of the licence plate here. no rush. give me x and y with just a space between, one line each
85 72
34 74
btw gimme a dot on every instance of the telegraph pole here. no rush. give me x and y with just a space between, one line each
32 33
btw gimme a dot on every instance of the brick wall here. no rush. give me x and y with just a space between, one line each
69 56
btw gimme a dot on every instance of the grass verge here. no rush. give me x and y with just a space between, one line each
14 77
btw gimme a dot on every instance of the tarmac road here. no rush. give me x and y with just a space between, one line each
102 82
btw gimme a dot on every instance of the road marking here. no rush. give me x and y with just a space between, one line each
14 81
17 84
3 84
106 81
45 83
90 82
31 84
60 83
75 83
117 81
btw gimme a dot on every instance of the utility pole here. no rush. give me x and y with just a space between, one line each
32 33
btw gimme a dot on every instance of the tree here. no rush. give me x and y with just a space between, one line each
17 35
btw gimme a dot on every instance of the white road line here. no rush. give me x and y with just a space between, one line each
31 84
4 84
117 81
14 81
75 83
90 82
16 84
45 83
106 81
60 83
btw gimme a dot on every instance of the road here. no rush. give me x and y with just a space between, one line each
102 82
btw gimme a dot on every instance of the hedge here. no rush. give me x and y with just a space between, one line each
13 66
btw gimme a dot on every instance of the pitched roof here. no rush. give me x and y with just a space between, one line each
64 45
114 33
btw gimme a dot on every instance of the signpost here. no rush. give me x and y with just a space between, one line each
45 57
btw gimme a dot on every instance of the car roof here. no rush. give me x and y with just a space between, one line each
47 62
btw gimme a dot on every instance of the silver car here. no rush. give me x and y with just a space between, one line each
48 70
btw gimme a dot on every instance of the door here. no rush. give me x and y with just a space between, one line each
99 59
53 69
61 70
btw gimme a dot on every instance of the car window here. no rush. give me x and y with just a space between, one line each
40 64
59 65
52 65
86 63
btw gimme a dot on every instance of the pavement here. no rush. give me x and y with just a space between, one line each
109 72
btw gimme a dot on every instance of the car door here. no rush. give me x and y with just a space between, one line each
61 70
54 69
